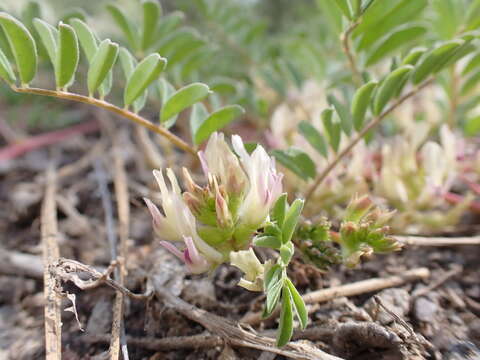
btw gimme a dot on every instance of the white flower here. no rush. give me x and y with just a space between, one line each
265 184
220 161
178 223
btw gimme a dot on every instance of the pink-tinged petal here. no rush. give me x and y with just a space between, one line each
156 214
191 252
203 162
173 249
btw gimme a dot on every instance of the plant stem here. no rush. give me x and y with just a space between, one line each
323 175
345 38
114 109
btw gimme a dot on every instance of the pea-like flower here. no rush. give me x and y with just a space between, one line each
179 224
265 184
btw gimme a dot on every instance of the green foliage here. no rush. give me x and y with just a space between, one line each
297 161
22 45
101 65
278 287
142 76
67 56
182 99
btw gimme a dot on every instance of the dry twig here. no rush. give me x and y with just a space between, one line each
438 241
123 209
352 289
53 332
236 336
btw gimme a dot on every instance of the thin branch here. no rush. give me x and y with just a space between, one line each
71 270
114 109
123 210
49 230
352 289
232 334
323 175
438 241
345 38
206 340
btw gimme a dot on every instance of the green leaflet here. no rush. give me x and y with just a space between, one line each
314 138
273 295
125 25
279 210
285 327
360 103
102 63
67 56
144 74
393 41
297 161
470 83
343 113
182 99
413 56
473 63
434 60
388 88
22 45
298 304
87 38
333 128
48 35
291 220
382 18
6 72
151 15
216 121
128 63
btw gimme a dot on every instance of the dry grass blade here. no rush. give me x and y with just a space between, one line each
53 340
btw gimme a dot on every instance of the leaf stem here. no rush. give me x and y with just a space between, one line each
375 121
345 39
112 108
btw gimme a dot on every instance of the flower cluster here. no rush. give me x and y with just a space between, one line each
214 220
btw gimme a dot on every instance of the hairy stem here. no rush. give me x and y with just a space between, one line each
114 109
345 38
323 175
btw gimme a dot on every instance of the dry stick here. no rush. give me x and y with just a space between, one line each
345 39
323 175
352 289
206 340
438 241
72 270
114 109
117 329
236 336
49 233
123 209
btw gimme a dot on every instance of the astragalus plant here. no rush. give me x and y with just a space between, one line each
333 141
